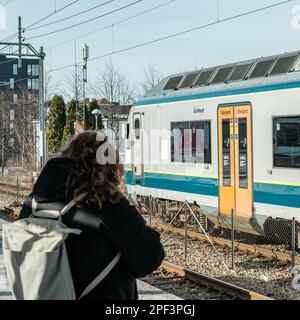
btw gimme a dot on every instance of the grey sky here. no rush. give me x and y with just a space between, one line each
264 33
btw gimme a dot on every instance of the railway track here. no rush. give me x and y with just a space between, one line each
188 284
191 285
22 192
193 235
14 189
256 249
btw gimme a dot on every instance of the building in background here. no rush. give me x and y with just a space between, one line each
18 81
15 78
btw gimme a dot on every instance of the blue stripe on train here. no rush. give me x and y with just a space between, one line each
272 194
222 93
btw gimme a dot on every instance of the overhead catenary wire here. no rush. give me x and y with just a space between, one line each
18 80
86 21
179 33
70 17
6 3
40 20
51 14
10 37
111 25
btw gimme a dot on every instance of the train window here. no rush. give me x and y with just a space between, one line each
189 80
243 153
191 142
173 83
137 128
286 141
284 64
240 72
204 77
222 75
262 68
226 152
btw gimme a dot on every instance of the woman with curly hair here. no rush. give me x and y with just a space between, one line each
109 223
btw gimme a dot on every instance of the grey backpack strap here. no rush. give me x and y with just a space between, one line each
33 204
51 213
68 207
101 276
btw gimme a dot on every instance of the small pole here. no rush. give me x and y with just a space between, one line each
293 241
96 122
17 189
232 239
185 236
150 211
6 183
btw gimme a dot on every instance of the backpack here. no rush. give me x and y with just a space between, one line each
36 260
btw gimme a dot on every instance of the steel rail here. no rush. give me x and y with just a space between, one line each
217 284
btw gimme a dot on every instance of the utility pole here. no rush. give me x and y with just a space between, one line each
80 108
43 141
84 71
86 55
20 42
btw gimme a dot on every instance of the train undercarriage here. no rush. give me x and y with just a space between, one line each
278 231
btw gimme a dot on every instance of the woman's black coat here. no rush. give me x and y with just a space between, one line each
105 232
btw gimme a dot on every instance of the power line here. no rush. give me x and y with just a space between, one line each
70 17
8 61
18 80
110 25
6 3
86 21
180 33
10 37
51 14
40 20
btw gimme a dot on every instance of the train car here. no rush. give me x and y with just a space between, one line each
226 138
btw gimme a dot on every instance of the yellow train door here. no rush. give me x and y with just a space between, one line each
235 160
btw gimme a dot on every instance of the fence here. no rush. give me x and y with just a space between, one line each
268 264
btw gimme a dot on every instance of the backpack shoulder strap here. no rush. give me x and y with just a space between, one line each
51 213
101 276
68 207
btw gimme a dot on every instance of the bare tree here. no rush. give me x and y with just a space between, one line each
74 86
5 128
116 92
26 111
113 85
51 88
151 78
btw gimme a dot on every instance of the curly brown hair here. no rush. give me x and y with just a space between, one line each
91 182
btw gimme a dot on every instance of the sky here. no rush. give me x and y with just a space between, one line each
260 34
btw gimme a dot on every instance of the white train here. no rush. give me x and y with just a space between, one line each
226 138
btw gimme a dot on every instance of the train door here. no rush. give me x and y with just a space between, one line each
137 149
235 160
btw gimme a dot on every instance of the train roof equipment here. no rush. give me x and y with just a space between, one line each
262 71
